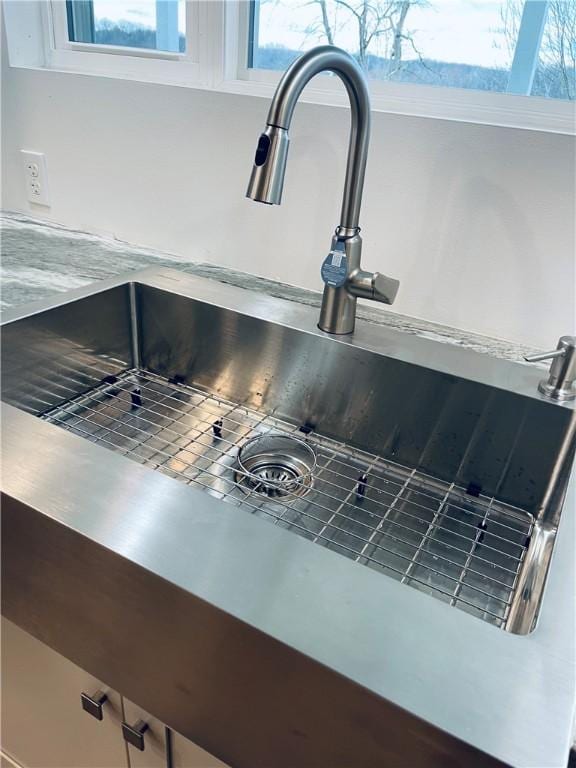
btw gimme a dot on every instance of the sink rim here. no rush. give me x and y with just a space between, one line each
541 732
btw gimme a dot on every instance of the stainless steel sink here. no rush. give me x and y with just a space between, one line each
445 484
427 554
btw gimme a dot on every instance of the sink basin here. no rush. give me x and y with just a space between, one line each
417 486
456 544
446 484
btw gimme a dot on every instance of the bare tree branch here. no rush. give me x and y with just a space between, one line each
380 23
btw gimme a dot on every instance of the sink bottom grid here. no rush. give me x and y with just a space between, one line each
460 546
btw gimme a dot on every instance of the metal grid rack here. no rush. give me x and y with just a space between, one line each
464 549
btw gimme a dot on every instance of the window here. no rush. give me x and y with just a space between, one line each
489 45
471 60
150 40
129 23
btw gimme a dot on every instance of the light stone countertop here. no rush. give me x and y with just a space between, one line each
39 259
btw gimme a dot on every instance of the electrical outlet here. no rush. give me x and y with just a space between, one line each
35 177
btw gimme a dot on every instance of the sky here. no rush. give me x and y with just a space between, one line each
136 11
461 31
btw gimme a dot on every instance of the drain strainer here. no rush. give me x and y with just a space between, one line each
275 466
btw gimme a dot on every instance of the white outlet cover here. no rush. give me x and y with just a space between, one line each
35 177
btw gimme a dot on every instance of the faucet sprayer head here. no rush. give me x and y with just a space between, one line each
267 178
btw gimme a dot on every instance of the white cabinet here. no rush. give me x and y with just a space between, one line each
44 725
186 754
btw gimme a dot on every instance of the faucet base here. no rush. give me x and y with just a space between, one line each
345 281
338 312
556 392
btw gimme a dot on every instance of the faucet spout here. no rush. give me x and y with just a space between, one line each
327 58
341 270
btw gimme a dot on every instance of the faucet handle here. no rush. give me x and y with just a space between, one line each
560 383
373 285
384 288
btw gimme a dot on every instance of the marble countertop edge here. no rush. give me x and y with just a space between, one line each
41 258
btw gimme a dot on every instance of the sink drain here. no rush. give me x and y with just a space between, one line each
275 466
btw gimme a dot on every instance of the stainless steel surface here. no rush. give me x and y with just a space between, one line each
338 312
458 546
78 336
209 589
199 637
454 432
560 383
93 704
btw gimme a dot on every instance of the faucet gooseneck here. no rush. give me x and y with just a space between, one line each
343 277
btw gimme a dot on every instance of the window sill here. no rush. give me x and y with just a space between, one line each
481 107
478 107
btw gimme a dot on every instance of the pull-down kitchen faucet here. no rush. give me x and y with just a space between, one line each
344 279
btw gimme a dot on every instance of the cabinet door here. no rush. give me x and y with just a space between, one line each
43 723
185 754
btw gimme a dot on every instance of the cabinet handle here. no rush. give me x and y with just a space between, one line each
134 734
93 704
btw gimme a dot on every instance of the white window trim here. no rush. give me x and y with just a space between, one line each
114 61
215 60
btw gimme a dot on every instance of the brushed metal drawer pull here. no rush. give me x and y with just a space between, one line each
93 704
134 734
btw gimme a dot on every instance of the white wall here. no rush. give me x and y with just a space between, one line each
476 221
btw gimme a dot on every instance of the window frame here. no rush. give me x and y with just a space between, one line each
440 102
57 23
217 39
117 61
